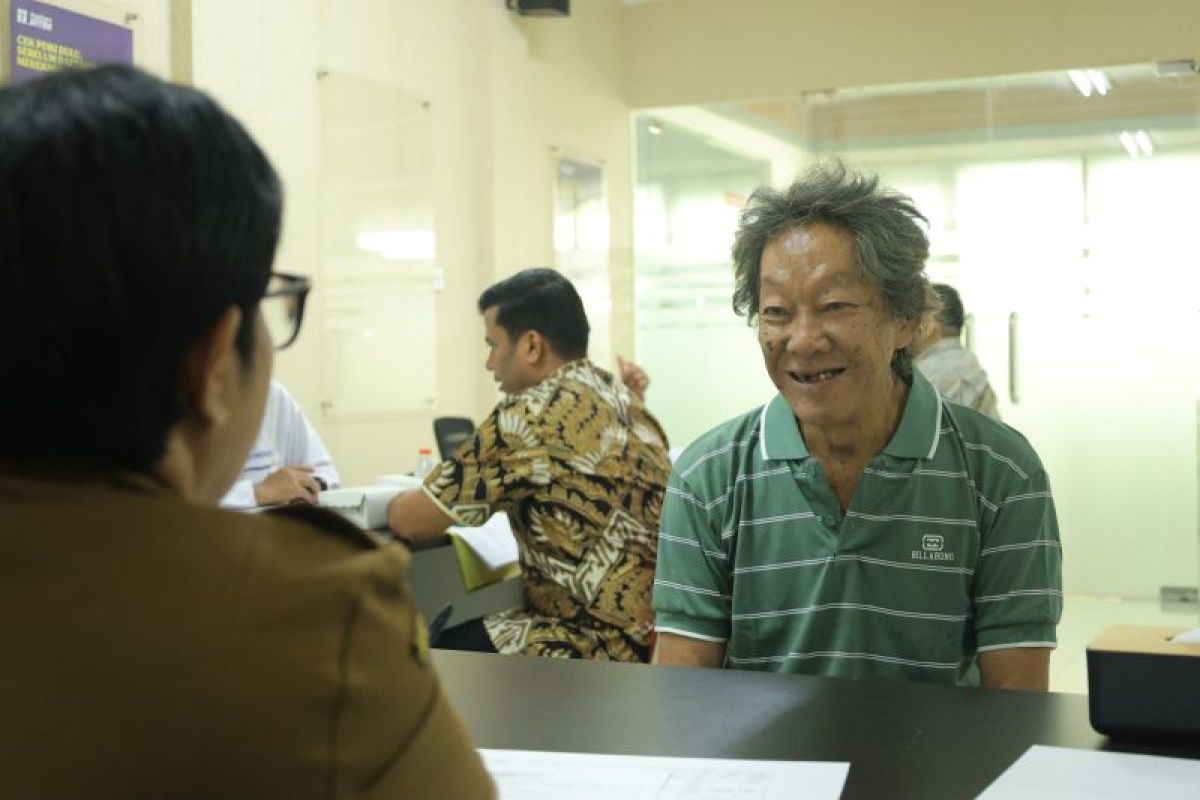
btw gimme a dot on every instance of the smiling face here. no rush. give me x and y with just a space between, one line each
826 337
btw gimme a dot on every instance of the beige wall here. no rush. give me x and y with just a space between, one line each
578 109
504 92
704 51
4 55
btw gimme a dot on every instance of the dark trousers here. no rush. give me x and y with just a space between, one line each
470 635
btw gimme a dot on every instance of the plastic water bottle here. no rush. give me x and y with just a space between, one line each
424 463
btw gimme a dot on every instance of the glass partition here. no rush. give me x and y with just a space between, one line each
689 191
1062 207
581 246
379 277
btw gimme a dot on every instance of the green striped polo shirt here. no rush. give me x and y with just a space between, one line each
949 548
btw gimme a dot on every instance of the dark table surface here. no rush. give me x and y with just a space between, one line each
901 739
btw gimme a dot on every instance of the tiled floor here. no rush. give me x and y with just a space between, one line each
1085 617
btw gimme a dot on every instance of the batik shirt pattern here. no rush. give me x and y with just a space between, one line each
581 469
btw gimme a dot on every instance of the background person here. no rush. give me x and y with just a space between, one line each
580 467
288 462
952 369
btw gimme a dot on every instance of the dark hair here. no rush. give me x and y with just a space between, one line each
950 313
542 300
133 213
890 246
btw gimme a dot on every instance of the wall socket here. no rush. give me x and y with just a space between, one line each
1179 594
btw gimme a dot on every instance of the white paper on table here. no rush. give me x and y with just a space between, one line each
493 541
402 482
1062 773
1188 637
365 506
534 775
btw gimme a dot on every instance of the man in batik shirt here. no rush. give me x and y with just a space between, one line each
581 468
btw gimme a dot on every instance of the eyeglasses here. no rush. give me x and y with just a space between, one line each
283 307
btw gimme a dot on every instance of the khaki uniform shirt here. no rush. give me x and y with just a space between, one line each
154 648
581 467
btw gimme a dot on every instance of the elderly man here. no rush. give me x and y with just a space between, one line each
854 526
579 465
941 358
154 645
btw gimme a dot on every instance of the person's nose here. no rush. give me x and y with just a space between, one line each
806 336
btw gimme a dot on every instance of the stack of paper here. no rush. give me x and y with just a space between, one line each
1188 637
493 541
400 481
1064 773
365 506
486 554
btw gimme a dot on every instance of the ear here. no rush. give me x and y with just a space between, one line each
906 334
212 372
532 347
926 327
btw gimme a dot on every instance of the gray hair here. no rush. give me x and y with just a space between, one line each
890 246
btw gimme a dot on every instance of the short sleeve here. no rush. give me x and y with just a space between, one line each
302 445
692 582
1017 590
505 463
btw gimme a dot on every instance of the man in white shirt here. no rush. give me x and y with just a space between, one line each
953 370
288 463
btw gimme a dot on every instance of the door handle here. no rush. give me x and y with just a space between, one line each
1014 385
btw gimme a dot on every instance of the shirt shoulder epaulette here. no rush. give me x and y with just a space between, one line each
329 523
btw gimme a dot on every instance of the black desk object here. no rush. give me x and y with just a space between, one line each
435 581
450 433
1143 683
901 739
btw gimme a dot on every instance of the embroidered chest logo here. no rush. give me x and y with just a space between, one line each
933 548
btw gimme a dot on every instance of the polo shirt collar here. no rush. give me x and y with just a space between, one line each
778 434
921 424
916 436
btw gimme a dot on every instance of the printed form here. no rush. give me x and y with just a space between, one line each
532 775
1065 773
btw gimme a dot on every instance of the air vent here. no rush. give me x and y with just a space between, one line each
1176 68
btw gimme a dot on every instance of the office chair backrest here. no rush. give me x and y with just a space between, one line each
450 433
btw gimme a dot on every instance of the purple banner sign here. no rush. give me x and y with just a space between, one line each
43 38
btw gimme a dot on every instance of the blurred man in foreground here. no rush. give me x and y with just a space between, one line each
155 646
